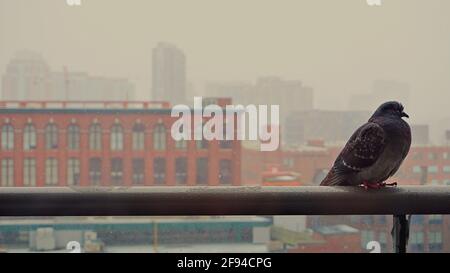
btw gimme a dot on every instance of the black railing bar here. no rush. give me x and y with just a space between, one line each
223 200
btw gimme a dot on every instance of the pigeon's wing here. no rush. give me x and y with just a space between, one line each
365 148
361 151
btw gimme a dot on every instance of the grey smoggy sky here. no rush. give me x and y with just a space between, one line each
337 47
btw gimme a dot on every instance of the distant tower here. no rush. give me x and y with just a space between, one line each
169 74
27 77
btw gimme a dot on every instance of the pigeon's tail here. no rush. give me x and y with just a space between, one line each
334 178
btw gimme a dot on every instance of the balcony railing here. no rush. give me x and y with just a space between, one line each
167 201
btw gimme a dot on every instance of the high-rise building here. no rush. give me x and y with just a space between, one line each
290 95
382 91
331 126
420 134
169 74
28 77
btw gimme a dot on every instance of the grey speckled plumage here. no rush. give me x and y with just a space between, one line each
375 151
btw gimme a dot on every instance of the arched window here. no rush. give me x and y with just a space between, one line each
203 143
117 138
51 137
138 137
159 137
29 137
73 137
7 137
95 137
181 144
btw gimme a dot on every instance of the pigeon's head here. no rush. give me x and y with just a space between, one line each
390 109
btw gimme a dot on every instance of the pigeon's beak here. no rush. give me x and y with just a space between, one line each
405 115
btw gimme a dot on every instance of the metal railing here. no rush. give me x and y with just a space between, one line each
169 201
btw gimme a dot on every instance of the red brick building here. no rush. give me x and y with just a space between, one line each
106 144
423 165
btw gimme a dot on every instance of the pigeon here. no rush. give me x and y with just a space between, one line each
374 152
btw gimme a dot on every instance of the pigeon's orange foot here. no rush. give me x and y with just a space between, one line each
384 184
375 186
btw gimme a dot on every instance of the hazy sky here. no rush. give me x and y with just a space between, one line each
337 47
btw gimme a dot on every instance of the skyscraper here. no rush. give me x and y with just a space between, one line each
169 74
29 77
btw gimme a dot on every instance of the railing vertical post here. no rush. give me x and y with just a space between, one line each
400 233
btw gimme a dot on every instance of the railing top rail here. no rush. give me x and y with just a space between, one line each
146 201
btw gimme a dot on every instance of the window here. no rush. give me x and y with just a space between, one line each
117 171
288 162
138 137
417 241
432 156
7 137
435 241
7 172
417 169
382 239
367 220
435 219
29 172
366 237
181 170
417 156
382 219
202 171
227 142
181 144
225 174
117 138
159 137
417 219
432 169
51 172
138 171
95 137
446 155
159 170
73 137
51 137
29 137
446 169
95 171
73 172
201 144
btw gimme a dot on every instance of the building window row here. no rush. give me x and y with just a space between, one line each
431 169
116 171
51 134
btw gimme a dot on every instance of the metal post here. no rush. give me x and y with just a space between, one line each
400 233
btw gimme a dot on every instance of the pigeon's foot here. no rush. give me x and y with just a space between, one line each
373 186
384 184
377 186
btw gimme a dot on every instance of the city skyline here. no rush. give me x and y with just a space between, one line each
298 42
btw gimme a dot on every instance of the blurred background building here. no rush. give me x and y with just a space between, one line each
28 77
